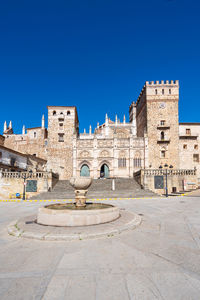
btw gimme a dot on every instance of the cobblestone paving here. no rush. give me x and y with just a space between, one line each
157 260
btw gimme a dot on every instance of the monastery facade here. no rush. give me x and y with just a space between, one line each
151 138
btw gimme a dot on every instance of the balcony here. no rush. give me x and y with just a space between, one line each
163 127
163 141
188 136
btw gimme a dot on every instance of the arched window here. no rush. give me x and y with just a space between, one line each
68 113
156 91
85 171
54 113
162 135
163 91
170 91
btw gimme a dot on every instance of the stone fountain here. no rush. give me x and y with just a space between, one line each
79 213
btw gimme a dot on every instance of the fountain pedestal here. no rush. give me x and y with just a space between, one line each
80 198
80 213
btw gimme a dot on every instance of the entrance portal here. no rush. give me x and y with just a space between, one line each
104 172
85 171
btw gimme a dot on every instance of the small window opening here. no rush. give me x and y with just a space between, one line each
35 134
54 113
196 147
170 91
61 113
184 146
162 135
68 113
163 91
188 131
61 137
162 122
156 91
196 157
163 154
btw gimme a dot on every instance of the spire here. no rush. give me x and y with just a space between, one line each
5 126
98 125
84 131
90 130
43 121
23 129
106 119
124 120
116 120
10 125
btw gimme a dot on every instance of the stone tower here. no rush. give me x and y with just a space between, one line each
62 126
157 117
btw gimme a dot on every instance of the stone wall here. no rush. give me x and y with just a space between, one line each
34 142
13 182
2 138
178 179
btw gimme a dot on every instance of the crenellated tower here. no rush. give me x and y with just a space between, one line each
157 116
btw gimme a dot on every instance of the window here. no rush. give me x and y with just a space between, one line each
156 91
162 135
137 162
195 147
196 157
170 91
188 131
34 134
163 91
162 154
54 113
61 113
68 113
61 125
61 137
184 146
162 122
121 162
12 161
34 154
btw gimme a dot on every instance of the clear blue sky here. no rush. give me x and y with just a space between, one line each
96 55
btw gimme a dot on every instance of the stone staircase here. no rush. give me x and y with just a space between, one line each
100 188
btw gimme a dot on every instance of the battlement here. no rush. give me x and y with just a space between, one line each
158 89
162 83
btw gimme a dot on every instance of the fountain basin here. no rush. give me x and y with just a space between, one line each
70 215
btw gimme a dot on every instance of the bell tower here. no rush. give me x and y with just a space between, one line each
62 126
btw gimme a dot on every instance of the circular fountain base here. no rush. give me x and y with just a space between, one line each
70 215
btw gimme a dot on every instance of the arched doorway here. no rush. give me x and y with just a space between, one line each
104 171
85 171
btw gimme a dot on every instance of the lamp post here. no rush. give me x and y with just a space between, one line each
25 176
166 173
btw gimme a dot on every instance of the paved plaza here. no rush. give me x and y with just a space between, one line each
159 259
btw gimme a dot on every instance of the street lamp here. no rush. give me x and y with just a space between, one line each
166 173
25 176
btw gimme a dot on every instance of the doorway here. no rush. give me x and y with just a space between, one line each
85 171
104 171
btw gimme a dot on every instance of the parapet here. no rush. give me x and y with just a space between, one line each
162 82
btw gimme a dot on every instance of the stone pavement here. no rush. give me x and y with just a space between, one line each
157 260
